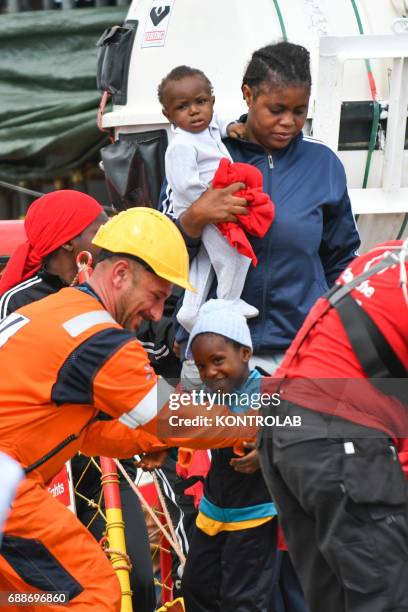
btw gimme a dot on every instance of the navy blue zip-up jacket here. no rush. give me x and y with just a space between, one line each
311 241
231 496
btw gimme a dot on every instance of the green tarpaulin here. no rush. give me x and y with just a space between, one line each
48 96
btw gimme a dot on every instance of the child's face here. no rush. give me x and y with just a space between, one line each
221 365
188 104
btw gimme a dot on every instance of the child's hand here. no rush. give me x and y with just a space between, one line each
249 463
236 130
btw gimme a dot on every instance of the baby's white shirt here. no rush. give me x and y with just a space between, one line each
192 160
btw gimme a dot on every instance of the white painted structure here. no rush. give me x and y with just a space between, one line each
219 36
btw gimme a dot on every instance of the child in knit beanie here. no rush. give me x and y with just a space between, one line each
232 552
221 318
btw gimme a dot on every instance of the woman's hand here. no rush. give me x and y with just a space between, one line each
214 206
249 463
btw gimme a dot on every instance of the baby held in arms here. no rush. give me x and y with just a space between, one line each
196 158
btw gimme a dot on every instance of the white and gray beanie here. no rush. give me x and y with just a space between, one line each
221 317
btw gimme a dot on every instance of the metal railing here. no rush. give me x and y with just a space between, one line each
391 197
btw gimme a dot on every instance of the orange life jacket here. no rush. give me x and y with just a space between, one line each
62 360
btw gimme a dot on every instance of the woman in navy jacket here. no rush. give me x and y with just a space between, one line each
313 236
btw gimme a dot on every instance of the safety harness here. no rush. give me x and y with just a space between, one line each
373 351
376 356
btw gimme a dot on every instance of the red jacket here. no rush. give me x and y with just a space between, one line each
261 209
325 363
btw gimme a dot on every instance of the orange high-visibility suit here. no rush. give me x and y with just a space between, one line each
64 359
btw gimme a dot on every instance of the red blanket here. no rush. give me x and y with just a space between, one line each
261 208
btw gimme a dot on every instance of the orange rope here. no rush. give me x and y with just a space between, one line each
175 545
119 553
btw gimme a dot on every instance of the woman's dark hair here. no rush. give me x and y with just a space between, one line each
280 65
177 74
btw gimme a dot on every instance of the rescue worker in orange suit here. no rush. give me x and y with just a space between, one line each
338 479
59 225
64 359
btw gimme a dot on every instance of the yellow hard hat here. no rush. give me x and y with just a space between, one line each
152 237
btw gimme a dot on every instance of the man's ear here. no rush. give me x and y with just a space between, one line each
166 114
120 272
213 99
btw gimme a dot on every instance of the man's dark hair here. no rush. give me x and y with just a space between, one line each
280 65
105 254
177 74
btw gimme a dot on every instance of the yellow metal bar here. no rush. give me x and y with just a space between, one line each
117 553
116 530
